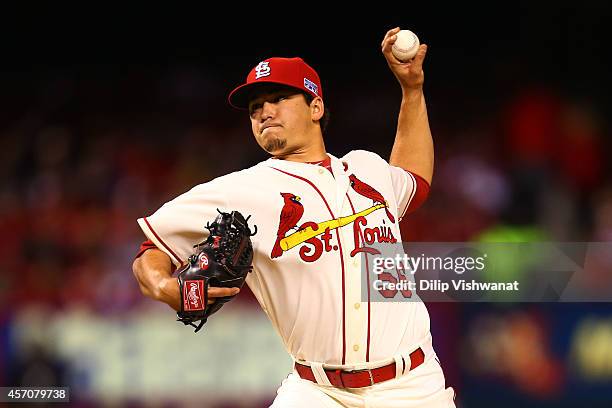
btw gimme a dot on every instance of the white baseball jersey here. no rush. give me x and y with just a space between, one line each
307 264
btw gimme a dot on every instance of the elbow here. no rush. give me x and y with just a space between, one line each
138 271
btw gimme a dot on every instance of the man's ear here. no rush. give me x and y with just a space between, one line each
317 108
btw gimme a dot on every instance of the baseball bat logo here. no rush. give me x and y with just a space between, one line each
317 234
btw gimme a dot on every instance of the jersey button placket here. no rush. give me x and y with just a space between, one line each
356 315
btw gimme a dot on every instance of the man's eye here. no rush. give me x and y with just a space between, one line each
280 98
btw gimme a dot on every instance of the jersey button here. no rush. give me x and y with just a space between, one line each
321 171
357 305
356 347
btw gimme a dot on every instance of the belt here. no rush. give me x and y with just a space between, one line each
361 378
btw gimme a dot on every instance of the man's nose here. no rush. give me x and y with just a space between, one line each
268 110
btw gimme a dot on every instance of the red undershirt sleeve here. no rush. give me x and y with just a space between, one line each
421 194
145 246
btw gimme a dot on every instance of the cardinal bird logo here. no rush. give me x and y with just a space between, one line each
369 192
317 234
290 215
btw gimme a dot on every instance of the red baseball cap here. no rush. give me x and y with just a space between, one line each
293 72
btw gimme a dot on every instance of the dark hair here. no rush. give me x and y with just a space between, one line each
325 118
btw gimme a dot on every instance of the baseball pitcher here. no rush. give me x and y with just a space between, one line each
296 235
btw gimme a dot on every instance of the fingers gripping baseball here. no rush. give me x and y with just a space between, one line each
410 73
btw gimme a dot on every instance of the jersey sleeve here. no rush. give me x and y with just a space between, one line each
179 224
410 190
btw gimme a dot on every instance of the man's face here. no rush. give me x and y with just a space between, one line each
280 119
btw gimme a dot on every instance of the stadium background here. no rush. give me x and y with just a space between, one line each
105 116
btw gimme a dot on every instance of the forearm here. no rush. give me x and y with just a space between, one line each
153 271
413 147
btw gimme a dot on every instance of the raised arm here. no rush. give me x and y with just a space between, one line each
413 146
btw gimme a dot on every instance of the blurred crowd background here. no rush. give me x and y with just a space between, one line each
99 128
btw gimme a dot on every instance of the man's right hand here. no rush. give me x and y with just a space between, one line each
153 271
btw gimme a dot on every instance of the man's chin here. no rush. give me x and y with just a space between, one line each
275 146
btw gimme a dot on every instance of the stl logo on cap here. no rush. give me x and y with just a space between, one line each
262 69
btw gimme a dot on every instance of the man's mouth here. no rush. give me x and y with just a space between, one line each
267 126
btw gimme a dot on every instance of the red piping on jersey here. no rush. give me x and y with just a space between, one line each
341 258
368 284
161 241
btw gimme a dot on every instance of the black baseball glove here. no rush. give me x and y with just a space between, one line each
223 260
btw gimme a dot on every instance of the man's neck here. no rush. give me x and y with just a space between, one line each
312 149
312 153
304 158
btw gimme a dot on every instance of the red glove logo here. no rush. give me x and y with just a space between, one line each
192 293
203 261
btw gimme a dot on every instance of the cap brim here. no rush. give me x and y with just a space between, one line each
239 97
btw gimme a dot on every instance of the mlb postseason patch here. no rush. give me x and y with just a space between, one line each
308 84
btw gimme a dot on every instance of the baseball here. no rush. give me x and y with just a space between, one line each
406 45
